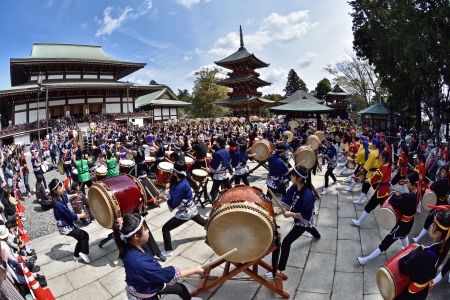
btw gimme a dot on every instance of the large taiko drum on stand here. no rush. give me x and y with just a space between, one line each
387 216
305 156
164 172
115 197
125 166
262 149
313 141
242 218
390 281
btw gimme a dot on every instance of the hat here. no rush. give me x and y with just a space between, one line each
415 156
3 232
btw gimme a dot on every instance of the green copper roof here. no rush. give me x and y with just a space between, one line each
301 94
376 109
303 105
69 52
153 99
242 99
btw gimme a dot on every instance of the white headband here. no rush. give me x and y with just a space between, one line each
59 182
180 172
304 177
124 237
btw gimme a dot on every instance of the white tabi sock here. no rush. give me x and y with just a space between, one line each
363 216
404 188
422 233
343 170
419 206
405 242
361 197
351 186
438 278
363 260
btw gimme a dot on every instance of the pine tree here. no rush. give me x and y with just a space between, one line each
294 83
322 88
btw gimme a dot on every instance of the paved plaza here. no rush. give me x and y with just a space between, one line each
317 269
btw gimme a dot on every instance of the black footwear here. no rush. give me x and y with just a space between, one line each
36 268
162 257
42 280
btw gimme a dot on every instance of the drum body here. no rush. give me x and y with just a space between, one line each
60 167
306 156
125 166
167 156
262 149
68 184
242 218
387 215
101 172
429 197
73 134
344 146
189 162
153 151
164 172
115 197
390 281
75 175
199 175
149 161
313 141
208 157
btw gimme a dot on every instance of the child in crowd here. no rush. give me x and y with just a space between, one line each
42 195
16 243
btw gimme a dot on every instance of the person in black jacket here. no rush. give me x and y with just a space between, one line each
41 194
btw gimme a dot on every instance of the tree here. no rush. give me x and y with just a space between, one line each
294 83
357 76
152 82
407 43
183 95
205 93
323 87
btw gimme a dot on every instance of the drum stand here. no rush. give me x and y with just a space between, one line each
200 191
249 268
260 163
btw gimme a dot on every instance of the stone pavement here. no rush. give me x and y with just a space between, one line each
317 269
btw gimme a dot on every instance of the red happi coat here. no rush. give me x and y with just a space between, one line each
382 176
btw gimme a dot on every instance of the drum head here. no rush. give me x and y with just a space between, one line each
386 284
428 198
100 206
305 157
126 163
165 166
293 124
75 171
201 173
188 160
313 141
149 159
251 239
129 156
261 150
386 218
101 170
289 135
320 135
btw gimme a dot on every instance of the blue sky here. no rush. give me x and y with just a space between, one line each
178 37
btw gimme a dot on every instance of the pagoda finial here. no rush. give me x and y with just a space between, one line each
242 39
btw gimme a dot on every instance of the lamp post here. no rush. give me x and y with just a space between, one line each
39 91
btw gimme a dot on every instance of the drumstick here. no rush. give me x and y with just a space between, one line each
300 162
276 200
207 265
168 160
151 183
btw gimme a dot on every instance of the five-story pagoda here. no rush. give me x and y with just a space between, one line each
245 100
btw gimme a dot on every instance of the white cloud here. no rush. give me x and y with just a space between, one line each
306 60
110 24
84 25
187 3
143 76
186 58
191 75
274 75
198 51
137 35
276 28
250 21
115 45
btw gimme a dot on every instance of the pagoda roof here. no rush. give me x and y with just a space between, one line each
376 109
159 98
302 105
242 99
299 95
337 90
80 84
42 53
245 77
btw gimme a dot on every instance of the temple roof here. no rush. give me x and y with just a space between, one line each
163 97
376 109
337 90
301 94
242 55
242 99
246 77
303 105
46 54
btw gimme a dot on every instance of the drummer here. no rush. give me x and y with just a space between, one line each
278 172
139 159
380 182
200 160
330 155
111 164
67 160
82 165
179 197
36 163
299 205
440 188
239 162
421 264
406 204
402 166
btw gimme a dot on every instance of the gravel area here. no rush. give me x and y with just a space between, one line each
39 222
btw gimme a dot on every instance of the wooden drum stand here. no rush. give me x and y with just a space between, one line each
249 268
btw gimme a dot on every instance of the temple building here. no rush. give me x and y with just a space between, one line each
245 100
336 99
73 80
